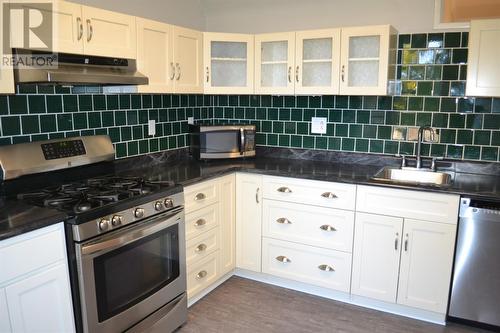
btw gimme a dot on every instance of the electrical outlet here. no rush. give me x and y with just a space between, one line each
190 120
318 125
152 127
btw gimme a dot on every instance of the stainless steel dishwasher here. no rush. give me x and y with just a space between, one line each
475 295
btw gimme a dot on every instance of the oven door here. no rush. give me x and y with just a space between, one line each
126 275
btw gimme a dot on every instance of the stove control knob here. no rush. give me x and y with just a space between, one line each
169 203
158 205
139 212
104 224
117 220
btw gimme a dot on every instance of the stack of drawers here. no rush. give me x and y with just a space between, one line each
202 235
308 230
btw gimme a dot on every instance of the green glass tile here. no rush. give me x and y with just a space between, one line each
440 120
474 121
30 124
284 114
322 113
465 39
120 118
48 123
400 103
266 126
228 114
425 149
442 57
143 116
424 88
222 100
121 150
415 103
21 139
441 88
355 102
85 102
278 127
330 129
126 133
260 139
418 41
278 101
70 103
448 136
176 128
377 117
369 102
167 129
296 141
289 127
342 102
355 131
272 114
472 153
457 120
409 88
80 120
46 89
54 104
133 147
64 122
391 147
495 138
302 102
450 72
495 107
348 116
362 145
27 89
404 41
409 57
308 114
114 134
218 112
452 39
112 102
124 101
408 118
321 142
417 72
402 73
465 105
424 119
433 72
250 113
132 118
4 108
482 138
483 105
457 89
53 136
392 118
448 105
384 132
308 141
39 137
489 153
406 148
328 101
244 100
335 116
284 140
147 101
314 101
376 146
157 101
341 130
385 103
239 113
348 144
463 72
370 131
454 151
302 128
136 101
459 56
144 145
435 40
261 113
362 117
108 119
36 104
464 137
154 144
265 101
425 57
334 143
137 132
172 143
491 121
99 102
62 89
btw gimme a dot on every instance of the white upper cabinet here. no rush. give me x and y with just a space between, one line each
188 60
155 56
228 60
317 58
483 69
368 60
6 73
275 63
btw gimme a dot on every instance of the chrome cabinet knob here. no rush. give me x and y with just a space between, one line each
199 196
327 227
283 259
284 189
283 220
201 275
200 248
116 220
329 195
169 203
200 222
139 212
104 224
326 268
158 205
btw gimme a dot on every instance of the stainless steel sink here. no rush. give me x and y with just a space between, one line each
413 176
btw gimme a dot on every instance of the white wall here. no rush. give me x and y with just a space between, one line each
257 16
187 13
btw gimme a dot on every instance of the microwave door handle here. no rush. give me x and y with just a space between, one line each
242 140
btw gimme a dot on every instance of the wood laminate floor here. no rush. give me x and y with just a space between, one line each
242 305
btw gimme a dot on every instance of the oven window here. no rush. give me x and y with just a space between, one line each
129 274
220 142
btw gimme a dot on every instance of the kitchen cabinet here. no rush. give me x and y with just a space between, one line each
227 229
155 50
188 60
68 27
6 73
228 63
4 313
368 58
248 221
483 68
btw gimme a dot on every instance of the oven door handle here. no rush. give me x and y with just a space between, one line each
107 243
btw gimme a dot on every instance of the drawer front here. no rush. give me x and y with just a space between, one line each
428 206
202 274
25 253
316 226
202 220
201 246
308 264
326 194
200 195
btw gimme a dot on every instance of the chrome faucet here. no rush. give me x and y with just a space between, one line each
421 132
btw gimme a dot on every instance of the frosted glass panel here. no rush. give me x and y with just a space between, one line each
364 47
275 51
228 73
319 48
363 73
274 75
317 74
229 50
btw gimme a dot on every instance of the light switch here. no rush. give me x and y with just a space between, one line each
318 125
152 127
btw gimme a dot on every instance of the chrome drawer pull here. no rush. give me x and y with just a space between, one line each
283 259
326 268
284 190
329 195
201 275
200 222
327 227
283 220
200 248
199 196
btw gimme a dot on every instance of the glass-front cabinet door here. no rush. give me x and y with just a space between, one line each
274 63
367 60
228 63
317 62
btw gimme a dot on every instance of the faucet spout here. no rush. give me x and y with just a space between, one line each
420 140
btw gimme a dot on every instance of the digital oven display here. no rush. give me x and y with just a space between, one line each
62 149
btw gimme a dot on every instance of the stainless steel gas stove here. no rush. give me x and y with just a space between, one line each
125 234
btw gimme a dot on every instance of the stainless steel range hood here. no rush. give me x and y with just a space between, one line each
75 69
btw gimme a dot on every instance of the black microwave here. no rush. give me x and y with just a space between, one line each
222 141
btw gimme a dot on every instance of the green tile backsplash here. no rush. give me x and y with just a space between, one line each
431 67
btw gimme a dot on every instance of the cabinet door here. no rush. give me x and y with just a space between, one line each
274 63
6 72
4 313
426 264
42 302
317 62
109 33
68 27
377 249
483 68
188 60
248 221
227 223
155 56
365 60
228 62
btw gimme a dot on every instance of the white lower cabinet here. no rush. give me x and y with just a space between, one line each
202 274
4 313
308 264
